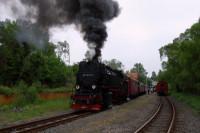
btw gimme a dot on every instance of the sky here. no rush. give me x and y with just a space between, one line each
136 35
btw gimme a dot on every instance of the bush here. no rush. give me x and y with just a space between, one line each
21 85
37 85
6 91
31 95
26 95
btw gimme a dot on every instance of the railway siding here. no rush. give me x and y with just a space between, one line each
128 117
162 121
38 125
123 118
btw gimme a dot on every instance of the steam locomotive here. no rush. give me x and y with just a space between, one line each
99 87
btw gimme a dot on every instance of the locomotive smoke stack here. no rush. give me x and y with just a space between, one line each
90 54
89 15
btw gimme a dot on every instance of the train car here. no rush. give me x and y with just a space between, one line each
143 91
98 87
141 88
162 88
133 88
115 82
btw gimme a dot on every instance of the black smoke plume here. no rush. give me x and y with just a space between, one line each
89 15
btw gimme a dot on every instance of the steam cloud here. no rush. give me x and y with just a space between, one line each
89 15
31 34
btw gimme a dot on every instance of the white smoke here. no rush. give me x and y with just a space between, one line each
91 52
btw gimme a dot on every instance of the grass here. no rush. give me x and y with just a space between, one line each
60 89
10 91
33 106
40 108
192 100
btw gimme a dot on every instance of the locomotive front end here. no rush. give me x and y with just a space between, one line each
87 94
87 98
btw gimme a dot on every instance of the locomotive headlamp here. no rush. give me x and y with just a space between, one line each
93 87
77 87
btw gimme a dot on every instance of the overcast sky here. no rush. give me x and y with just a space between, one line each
136 35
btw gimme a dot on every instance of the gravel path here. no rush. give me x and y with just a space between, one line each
121 119
187 121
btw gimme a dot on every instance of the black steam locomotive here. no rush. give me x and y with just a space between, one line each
98 86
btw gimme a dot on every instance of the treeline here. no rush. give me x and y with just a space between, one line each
182 68
137 68
22 61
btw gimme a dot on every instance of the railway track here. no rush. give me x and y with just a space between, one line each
162 121
38 125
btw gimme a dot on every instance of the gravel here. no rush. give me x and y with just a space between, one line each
125 118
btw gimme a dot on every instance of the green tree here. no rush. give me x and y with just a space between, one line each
23 61
10 53
138 67
63 51
181 69
114 64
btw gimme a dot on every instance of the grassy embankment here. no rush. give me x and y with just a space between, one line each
192 100
41 108
15 112
10 91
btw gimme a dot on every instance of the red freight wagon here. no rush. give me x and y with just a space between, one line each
142 89
133 86
162 88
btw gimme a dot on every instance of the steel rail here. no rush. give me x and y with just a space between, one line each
148 121
172 123
38 125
